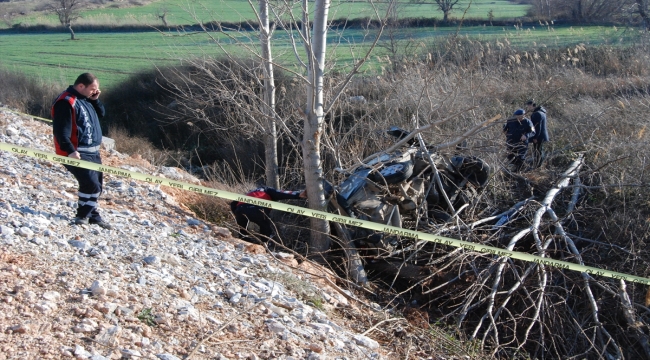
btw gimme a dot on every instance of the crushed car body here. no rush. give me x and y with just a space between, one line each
412 187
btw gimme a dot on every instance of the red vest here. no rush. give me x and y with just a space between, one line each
257 193
71 99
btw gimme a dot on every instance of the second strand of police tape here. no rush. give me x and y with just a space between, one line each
323 215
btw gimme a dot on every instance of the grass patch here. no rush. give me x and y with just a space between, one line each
303 289
113 57
182 12
147 317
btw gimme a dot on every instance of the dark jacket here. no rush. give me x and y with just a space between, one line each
268 193
538 118
514 129
76 122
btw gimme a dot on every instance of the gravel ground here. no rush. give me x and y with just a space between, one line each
160 285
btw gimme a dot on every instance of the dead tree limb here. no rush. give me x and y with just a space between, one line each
493 313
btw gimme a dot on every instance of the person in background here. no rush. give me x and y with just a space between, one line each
245 212
518 131
78 135
538 118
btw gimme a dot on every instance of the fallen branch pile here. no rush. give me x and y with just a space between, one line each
511 306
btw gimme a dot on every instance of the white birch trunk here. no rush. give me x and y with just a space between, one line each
271 136
314 121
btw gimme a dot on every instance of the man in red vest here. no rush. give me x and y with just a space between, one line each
78 135
247 212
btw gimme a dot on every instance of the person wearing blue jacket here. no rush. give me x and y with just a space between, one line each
518 130
78 135
538 118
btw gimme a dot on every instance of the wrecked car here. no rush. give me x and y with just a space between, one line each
412 187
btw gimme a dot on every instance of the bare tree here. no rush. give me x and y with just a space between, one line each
446 6
315 45
642 9
68 12
592 10
251 90
162 15
271 136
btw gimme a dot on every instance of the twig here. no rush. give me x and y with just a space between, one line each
113 347
551 194
379 323
211 335
323 277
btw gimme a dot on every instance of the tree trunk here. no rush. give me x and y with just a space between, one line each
356 270
643 12
271 136
72 37
313 128
163 17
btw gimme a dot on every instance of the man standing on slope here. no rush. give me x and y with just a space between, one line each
78 135
538 118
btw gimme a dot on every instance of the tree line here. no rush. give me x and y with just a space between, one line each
590 11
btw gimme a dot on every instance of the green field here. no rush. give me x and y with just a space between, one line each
185 12
115 56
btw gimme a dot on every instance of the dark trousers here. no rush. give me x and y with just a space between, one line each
538 154
246 213
517 154
90 187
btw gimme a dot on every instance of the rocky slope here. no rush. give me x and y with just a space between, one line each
160 285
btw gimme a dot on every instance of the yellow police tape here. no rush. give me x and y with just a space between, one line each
32 116
323 215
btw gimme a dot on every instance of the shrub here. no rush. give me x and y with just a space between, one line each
27 94
137 145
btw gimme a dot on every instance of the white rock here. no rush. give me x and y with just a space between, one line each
152 260
366 341
284 256
97 288
5 230
82 245
108 336
25 232
172 260
221 232
45 307
83 328
276 327
235 298
12 132
200 291
322 327
129 354
79 351
167 357
51 295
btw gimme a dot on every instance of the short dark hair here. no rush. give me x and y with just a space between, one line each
530 102
86 79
